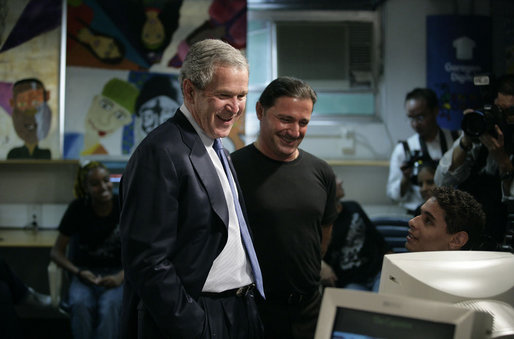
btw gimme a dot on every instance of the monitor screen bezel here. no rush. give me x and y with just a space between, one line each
468 323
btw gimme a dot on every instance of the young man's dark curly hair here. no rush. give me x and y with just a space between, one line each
462 213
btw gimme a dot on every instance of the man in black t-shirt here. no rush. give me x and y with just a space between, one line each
290 198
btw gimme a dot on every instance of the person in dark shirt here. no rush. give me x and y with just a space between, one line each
89 232
354 256
289 195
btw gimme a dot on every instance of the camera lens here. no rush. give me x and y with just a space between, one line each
474 123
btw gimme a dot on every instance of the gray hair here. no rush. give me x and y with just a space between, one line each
204 56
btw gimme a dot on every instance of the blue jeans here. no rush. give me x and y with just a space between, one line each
95 311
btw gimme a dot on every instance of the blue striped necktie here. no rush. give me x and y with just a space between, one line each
250 251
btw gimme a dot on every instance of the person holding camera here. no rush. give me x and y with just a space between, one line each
428 144
480 161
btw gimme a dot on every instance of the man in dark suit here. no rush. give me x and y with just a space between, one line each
189 264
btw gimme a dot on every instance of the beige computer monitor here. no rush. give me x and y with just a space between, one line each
450 276
359 314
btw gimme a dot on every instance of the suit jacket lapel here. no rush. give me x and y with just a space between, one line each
203 167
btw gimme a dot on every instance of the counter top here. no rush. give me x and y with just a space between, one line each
27 238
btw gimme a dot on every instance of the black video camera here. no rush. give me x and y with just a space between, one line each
481 121
478 122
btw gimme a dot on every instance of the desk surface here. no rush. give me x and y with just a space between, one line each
27 238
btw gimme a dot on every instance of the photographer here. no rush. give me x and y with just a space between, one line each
428 144
480 161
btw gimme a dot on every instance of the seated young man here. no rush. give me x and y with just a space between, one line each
450 219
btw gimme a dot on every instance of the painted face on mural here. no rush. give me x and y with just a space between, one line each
104 47
153 33
31 114
29 100
105 116
156 111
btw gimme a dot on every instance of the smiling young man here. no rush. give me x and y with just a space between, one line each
290 197
186 252
450 219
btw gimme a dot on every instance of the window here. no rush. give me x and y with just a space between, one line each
329 55
336 52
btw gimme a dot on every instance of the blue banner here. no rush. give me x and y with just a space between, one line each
458 48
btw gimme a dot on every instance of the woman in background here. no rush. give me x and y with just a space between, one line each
88 247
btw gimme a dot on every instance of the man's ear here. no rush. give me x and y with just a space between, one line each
189 89
458 240
259 109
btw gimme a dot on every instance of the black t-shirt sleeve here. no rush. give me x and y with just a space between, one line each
68 224
330 214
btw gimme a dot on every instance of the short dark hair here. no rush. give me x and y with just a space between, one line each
426 94
286 87
28 82
462 213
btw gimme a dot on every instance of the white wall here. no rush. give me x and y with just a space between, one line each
405 53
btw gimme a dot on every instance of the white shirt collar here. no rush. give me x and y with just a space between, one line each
206 140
